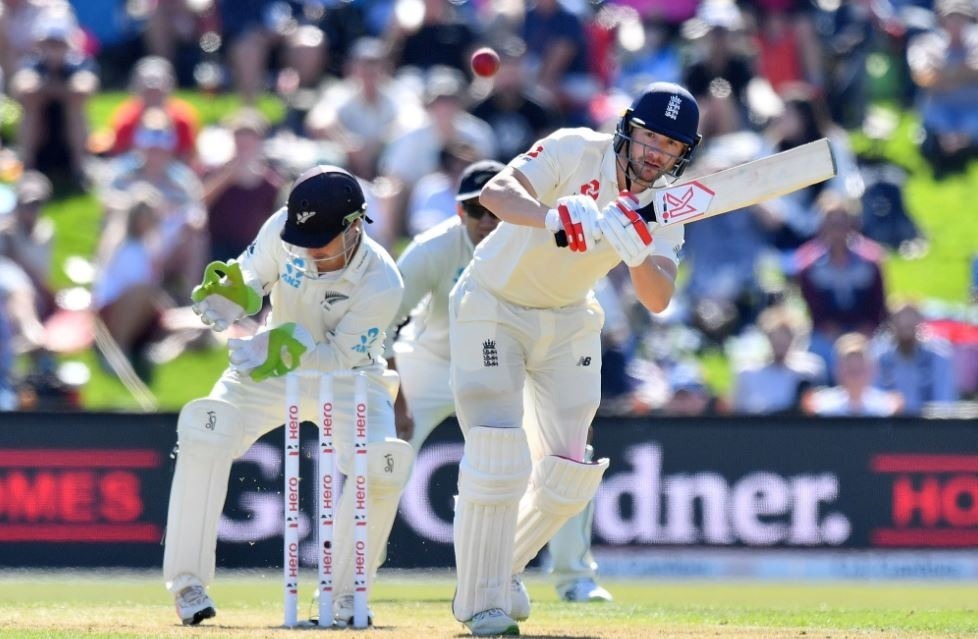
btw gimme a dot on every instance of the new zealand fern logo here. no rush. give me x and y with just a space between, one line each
332 297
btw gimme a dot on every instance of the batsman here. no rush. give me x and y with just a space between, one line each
333 291
523 314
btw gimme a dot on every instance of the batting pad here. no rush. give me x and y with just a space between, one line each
491 478
388 468
559 489
208 430
570 547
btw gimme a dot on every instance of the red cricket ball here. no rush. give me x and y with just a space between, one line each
485 62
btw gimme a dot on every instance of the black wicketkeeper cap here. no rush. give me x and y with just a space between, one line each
323 202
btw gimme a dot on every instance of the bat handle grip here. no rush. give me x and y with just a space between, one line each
560 237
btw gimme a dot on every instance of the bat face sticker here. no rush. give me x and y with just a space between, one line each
681 203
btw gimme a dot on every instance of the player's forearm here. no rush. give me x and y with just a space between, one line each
512 200
654 281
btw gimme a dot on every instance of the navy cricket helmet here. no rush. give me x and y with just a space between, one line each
323 202
668 109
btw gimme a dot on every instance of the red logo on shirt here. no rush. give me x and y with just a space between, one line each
591 188
535 152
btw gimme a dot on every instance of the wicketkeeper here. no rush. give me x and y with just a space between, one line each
523 316
333 292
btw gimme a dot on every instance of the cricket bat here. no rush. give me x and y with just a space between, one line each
738 187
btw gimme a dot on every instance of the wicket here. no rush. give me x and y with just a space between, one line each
328 483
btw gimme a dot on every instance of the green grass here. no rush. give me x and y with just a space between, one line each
943 209
417 606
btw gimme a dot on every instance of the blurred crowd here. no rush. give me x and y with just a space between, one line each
790 292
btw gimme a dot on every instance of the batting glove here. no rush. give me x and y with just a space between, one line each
223 297
577 217
271 353
626 231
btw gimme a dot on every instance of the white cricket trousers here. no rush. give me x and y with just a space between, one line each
498 348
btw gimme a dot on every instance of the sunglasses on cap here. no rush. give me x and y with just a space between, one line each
476 211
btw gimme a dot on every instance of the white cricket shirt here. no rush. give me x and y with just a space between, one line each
347 312
430 266
523 265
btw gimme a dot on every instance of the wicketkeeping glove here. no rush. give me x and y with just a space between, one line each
626 231
577 217
223 297
270 353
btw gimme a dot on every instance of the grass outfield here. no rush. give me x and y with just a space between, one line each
415 606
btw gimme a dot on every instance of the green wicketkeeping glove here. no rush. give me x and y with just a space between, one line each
223 297
271 353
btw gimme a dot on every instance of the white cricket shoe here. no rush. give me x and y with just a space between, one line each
585 589
519 608
343 612
492 623
194 605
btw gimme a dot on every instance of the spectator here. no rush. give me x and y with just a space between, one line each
249 29
840 278
433 197
805 119
516 112
19 19
720 64
8 394
343 23
364 111
113 34
915 365
689 394
26 238
53 86
778 386
304 54
853 396
183 218
416 153
723 289
630 385
172 30
557 56
152 85
656 59
127 294
943 64
19 299
788 51
851 33
241 194
440 38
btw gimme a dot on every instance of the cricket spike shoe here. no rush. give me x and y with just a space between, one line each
343 612
492 623
194 605
582 590
519 608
